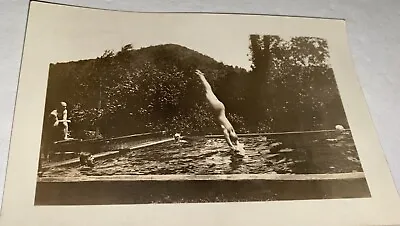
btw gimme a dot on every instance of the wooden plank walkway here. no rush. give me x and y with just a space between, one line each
75 140
276 133
105 154
133 135
229 177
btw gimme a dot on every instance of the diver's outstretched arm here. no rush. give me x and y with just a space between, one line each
203 79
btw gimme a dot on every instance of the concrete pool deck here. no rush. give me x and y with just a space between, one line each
117 190
229 177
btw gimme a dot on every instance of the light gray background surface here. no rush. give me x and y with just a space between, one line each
374 37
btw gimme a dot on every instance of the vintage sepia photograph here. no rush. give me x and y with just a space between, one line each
168 123
191 118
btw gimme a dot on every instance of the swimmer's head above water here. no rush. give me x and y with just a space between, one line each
177 136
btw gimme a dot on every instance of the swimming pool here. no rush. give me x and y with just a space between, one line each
320 153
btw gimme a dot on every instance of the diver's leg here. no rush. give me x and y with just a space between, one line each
65 130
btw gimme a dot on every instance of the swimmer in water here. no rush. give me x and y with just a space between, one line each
219 110
178 138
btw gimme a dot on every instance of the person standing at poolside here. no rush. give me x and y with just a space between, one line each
53 133
219 110
65 120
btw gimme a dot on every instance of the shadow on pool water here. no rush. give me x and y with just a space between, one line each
296 154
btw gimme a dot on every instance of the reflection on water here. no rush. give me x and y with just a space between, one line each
294 154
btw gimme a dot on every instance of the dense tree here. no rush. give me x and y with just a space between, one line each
290 86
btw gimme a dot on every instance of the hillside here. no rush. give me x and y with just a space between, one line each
163 69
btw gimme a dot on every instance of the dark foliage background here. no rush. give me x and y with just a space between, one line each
290 86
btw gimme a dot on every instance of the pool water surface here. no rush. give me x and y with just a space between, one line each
294 154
